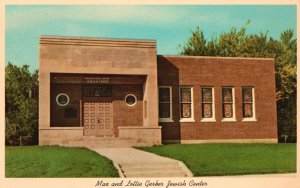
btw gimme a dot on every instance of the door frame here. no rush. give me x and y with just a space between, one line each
98 99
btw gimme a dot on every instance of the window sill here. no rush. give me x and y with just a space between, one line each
187 120
229 120
208 120
249 119
165 120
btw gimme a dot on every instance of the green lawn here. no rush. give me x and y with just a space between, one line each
54 161
231 159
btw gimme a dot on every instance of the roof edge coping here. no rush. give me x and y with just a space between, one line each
62 40
218 57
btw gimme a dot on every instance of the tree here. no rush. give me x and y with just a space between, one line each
196 44
286 85
21 105
237 43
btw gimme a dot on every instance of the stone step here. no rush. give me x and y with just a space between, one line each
155 174
150 169
104 138
149 165
108 145
103 142
153 169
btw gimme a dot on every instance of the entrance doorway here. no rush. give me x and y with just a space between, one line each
98 118
98 110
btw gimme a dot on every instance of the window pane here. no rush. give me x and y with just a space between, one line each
103 91
97 91
207 110
186 111
247 94
164 110
227 111
247 110
185 94
88 91
63 100
206 94
164 94
227 94
130 100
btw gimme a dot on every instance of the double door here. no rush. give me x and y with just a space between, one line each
97 118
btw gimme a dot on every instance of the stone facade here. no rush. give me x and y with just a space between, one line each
114 59
110 87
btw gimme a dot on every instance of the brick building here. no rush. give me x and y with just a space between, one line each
117 88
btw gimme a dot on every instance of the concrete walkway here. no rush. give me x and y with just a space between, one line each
136 163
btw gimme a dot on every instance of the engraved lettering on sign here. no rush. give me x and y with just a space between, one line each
97 80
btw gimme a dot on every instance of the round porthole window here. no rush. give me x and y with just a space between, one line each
130 99
62 99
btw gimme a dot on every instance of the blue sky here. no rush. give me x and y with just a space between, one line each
169 25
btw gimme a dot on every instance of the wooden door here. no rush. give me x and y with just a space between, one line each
104 121
89 118
98 118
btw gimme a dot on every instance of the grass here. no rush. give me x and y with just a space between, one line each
231 159
55 161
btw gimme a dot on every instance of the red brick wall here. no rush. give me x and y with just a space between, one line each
57 113
218 72
125 115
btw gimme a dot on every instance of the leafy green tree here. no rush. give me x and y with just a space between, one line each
238 43
196 44
287 84
21 105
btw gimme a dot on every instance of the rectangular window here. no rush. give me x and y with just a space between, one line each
248 103
165 103
228 104
186 104
207 103
97 91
